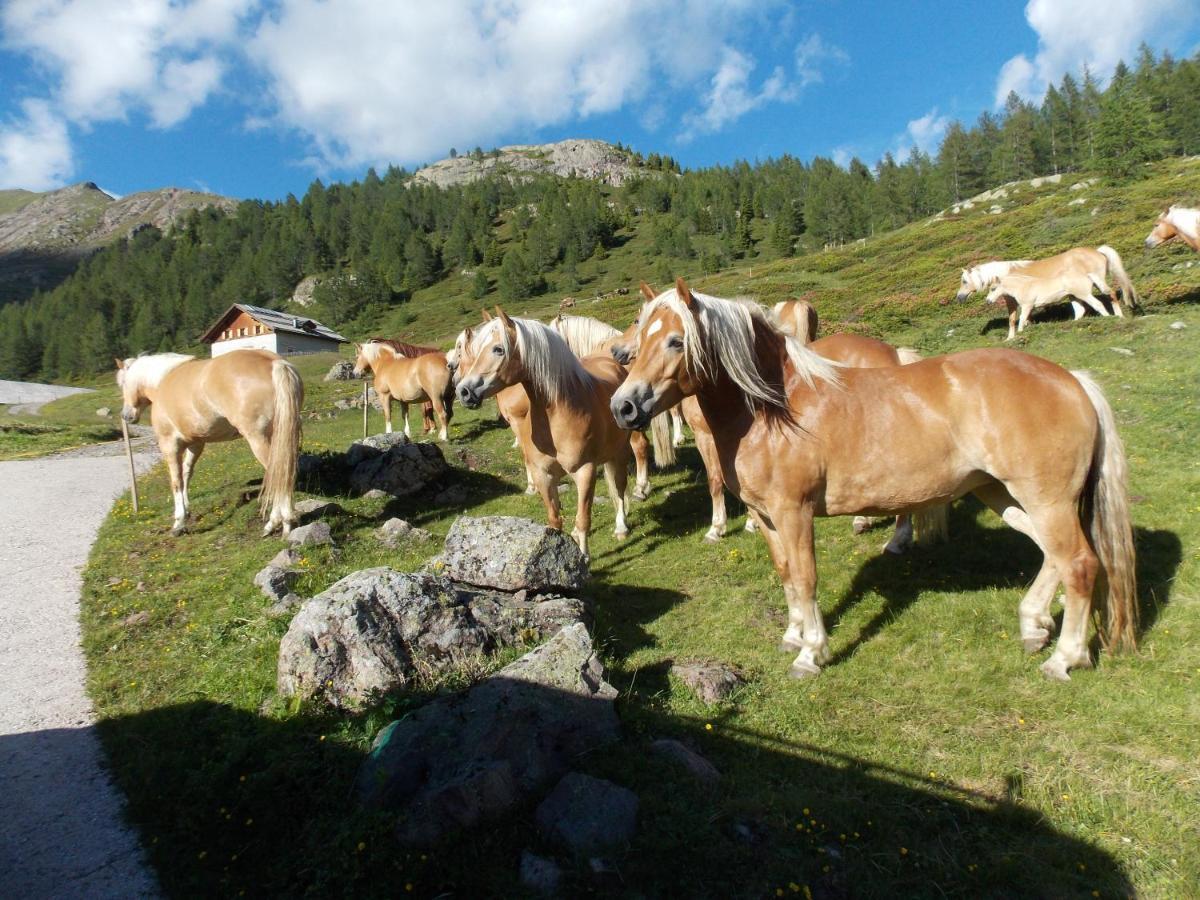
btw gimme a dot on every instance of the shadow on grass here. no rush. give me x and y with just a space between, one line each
1060 312
228 800
976 558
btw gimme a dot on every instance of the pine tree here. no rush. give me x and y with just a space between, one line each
1128 133
516 280
480 285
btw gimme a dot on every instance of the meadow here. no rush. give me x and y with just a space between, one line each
930 759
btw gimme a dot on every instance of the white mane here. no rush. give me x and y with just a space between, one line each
583 334
145 372
552 369
1186 221
985 275
372 350
728 342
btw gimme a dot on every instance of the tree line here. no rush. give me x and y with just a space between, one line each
376 242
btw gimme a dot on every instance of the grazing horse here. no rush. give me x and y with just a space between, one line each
252 393
799 437
568 429
408 380
586 337
1177 222
1071 274
427 421
797 318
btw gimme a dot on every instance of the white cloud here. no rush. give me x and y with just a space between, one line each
1098 33
811 56
926 132
843 155
730 96
35 150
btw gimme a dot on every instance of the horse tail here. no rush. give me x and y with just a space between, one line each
931 525
1105 503
279 478
660 437
1115 267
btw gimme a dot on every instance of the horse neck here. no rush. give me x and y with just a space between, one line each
723 401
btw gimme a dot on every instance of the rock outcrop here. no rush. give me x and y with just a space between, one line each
581 158
393 463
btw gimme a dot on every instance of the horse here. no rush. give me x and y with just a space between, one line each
983 276
587 336
1177 222
568 429
427 420
797 318
1071 274
252 393
408 379
861 352
800 437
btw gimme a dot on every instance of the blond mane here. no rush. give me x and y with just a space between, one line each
728 342
372 350
142 373
552 369
1186 221
583 334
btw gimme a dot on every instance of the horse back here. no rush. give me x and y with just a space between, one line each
204 398
856 350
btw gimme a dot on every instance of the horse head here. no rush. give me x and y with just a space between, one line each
133 398
362 359
661 375
624 348
494 362
966 285
1163 231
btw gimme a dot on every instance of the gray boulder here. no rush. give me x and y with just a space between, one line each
285 558
317 508
104 412
711 682
395 532
696 765
539 873
395 465
511 553
316 534
276 582
371 631
588 815
470 759
341 371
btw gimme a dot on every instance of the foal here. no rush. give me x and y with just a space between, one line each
409 380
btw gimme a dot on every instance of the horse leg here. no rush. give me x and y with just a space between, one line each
439 410
902 537
428 412
172 451
547 487
716 484
616 473
261 448
1025 312
1036 623
1067 548
806 628
641 458
1092 301
677 437
190 455
1013 312
385 400
1077 309
585 489
404 413
1106 289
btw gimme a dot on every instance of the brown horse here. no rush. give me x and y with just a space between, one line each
568 429
799 438
1177 222
797 318
410 350
252 393
408 380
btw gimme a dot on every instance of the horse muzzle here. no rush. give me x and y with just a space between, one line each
1151 243
131 414
961 296
470 393
633 408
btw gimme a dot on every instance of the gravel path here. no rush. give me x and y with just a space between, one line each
61 828
28 397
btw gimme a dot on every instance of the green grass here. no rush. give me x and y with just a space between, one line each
12 201
930 759
61 424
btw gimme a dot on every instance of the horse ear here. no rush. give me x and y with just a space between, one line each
120 362
468 333
647 291
684 293
487 316
503 316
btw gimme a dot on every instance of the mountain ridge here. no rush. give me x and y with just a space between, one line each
589 158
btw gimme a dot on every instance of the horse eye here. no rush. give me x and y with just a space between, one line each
675 342
498 350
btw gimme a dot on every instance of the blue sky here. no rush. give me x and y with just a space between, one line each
255 99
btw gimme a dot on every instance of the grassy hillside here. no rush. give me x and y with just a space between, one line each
930 759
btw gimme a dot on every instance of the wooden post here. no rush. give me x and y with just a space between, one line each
132 471
366 407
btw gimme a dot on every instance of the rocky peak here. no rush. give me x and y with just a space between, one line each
580 157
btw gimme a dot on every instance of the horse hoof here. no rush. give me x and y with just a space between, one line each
178 530
1034 645
641 493
713 536
621 535
751 526
802 670
899 550
1055 670
860 524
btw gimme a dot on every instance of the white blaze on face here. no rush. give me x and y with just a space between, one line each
654 328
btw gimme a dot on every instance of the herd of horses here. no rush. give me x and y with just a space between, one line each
795 425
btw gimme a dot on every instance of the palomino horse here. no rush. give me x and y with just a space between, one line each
586 337
408 380
797 318
427 420
799 438
983 276
1177 222
252 393
568 429
1071 274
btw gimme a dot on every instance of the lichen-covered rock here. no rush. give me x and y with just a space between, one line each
369 632
588 815
510 553
275 582
394 464
341 371
711 682
310 535
470 759
394 532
